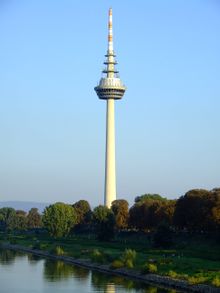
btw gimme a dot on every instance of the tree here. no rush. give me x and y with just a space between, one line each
143 215
83 211
59 218
149 196
216 207
165 212
197 210
5 214
163 236
17 221
150 210
134 217
104 220
120 210
34 219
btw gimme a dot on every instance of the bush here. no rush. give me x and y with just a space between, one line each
57 250
97 256
149 268
172 274
129 264
128 258
196 280
216 282
117 264
152 290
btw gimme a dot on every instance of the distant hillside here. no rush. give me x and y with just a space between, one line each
24 205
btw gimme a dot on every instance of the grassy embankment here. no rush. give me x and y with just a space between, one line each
194 260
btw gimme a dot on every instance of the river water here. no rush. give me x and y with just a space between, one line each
26 273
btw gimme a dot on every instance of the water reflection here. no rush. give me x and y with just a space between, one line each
100 281
7 257
58 270
107 283
34 259
110 288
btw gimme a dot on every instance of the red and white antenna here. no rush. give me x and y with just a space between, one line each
110 32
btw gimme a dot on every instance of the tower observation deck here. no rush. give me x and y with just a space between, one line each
110 88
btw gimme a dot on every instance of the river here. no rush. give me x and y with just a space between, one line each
26 273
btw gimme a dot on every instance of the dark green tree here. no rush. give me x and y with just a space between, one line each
150 210
143 215
163 236
6 214
197 210
17 221
149 196
104 221
215 213
83 211
165 212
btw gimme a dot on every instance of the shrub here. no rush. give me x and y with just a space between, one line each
128 258
152 268
97 256
184 276
95 253
152 290
129 254
57 250
172 274
216 282
149 268
193 280
196 280
129 264
117 264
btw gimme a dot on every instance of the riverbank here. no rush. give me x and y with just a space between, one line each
195 260
153 279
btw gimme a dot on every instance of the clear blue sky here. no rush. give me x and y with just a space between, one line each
52 124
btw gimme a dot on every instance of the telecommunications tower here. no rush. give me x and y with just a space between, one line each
110 88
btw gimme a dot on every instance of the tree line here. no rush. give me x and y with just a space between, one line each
198 211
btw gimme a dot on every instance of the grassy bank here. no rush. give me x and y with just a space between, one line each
195 260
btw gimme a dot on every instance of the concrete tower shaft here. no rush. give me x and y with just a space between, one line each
110 88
